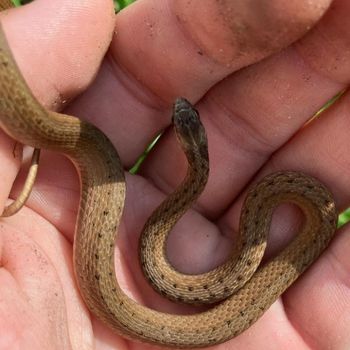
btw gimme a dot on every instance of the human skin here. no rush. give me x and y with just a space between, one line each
254 120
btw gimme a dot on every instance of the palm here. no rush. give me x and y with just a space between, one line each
249 117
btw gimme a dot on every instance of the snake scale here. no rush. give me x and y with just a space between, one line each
102 199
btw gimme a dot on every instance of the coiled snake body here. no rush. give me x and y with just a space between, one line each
101 205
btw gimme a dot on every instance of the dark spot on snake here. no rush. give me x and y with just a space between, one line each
226 290
228 322
261 308
106 212
205 286
196 299
110 273
96 256
180 299
256 222
39 121
241 313
111 245
310 187
97 277
162 276
121 303
255 241
212 295
99 235
252 302
190 288
200 53
114 290
175 285
162 328
249 262
254 194
239 278
290 181
268 286
221 280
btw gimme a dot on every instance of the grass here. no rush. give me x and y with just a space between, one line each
118 4
344 217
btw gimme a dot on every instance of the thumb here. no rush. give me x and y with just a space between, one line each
59 44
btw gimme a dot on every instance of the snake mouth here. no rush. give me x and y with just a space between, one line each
181 104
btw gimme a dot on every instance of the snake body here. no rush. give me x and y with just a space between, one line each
101 204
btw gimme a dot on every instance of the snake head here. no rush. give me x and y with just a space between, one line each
189 129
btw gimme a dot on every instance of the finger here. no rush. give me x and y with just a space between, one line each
320 299
57 58
180 48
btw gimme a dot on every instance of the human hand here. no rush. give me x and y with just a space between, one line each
254 122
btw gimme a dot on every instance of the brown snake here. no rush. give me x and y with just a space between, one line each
101 205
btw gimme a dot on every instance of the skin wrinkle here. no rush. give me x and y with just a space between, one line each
135 87
261 147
